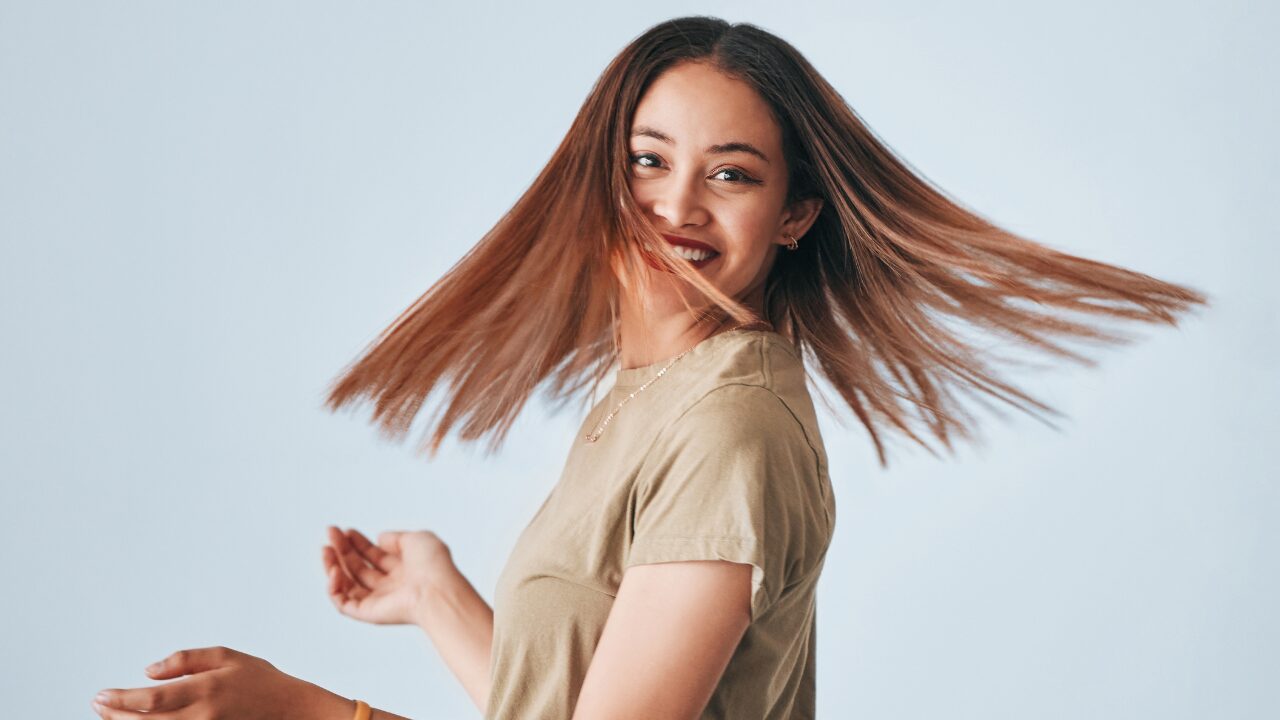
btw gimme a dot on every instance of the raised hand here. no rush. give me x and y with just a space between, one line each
386 583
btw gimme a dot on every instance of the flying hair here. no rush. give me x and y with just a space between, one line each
878 299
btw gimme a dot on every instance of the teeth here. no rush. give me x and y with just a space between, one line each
692 254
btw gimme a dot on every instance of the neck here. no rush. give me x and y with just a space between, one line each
649 338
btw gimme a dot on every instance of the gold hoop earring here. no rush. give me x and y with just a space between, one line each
793 245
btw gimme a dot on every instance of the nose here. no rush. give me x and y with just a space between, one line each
678 200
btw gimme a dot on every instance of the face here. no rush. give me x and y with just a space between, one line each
706 166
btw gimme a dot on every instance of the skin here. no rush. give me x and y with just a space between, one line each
686 191
407 578
673 626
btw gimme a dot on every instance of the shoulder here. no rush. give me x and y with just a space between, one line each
753 358
736 434
741 411
742 396
735 476
752 414
747 372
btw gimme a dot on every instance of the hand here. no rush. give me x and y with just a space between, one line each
223 683
385 584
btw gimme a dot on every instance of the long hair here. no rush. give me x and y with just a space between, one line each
874 298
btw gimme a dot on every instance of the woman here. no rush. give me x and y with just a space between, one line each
715 215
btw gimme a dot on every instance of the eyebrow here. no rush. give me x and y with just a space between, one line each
735 146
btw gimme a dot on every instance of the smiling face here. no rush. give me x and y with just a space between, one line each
707 166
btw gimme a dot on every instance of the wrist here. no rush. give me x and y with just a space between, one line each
317 703
441 596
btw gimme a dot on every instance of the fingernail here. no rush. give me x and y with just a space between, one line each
154 667
101 697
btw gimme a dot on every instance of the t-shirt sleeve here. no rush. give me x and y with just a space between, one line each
733 478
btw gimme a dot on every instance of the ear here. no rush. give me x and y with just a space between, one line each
800 216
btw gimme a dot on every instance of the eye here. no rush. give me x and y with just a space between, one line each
737 177
635 159
743 177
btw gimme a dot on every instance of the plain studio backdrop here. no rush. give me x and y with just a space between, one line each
207 209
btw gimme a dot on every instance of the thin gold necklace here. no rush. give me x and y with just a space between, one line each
595 434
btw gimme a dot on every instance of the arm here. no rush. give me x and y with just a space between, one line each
668 639
460 625
321 704
410 578
225 683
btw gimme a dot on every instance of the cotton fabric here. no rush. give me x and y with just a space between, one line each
719 459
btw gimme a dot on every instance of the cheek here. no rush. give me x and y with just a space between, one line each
639 192
750 231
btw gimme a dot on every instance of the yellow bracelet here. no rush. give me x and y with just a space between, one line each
362 710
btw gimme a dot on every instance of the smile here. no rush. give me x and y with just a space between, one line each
698 254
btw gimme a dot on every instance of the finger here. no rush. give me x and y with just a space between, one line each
347 603
109 713
333 573
330 562
190 661
342 590
390 541
380 558
340 583
169 696
353 563
349 561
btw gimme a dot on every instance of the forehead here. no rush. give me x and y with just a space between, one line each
695 102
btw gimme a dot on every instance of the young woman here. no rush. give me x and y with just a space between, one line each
715 216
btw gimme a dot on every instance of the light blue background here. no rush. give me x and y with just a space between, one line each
208 209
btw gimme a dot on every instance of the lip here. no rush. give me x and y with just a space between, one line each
689 242
696 245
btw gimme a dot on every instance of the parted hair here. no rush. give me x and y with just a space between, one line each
878 299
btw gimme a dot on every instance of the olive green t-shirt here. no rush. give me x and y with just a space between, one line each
720 458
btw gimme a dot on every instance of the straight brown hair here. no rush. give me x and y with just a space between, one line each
890 263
